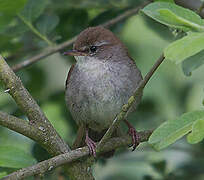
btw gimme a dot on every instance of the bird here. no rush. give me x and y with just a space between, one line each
101 81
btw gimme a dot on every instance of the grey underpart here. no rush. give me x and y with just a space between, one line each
98 89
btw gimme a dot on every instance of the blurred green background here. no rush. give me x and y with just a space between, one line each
169 93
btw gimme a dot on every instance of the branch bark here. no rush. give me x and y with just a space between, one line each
74 155
53 143
53 49
21 126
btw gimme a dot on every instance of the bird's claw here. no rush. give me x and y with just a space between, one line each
135 137
91 145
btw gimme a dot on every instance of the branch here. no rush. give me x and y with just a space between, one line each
45 53
135 97
54 49
62 159
19 125
54 144
23 127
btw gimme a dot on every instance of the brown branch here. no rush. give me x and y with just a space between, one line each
54 49
54 143
23 127
132 99
62 159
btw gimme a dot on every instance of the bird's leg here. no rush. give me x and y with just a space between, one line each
79 141
133 133
91 144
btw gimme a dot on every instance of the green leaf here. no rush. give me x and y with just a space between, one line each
175 20
192 63
197 133
33 9
47 23
4 21
172 130
2 174
4 171
11 7
8 9
174 16
170 1
17 29
185 47
13 157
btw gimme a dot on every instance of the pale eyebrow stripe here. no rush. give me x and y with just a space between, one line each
96 44
101 43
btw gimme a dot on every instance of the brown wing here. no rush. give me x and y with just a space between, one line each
69 75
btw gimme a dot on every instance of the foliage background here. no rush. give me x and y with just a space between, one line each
169 93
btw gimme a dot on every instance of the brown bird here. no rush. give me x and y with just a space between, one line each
99 84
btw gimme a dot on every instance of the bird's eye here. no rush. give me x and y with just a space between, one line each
93 49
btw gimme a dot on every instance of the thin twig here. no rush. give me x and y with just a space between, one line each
132 99
62 159
126 14
46 52
54 143
54 49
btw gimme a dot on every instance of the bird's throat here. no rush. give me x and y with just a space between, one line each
80 59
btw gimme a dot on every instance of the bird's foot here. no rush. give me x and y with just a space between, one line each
135 136
91 145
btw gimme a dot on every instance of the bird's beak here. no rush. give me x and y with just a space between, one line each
75 53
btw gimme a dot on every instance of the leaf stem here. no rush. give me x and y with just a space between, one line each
35 31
